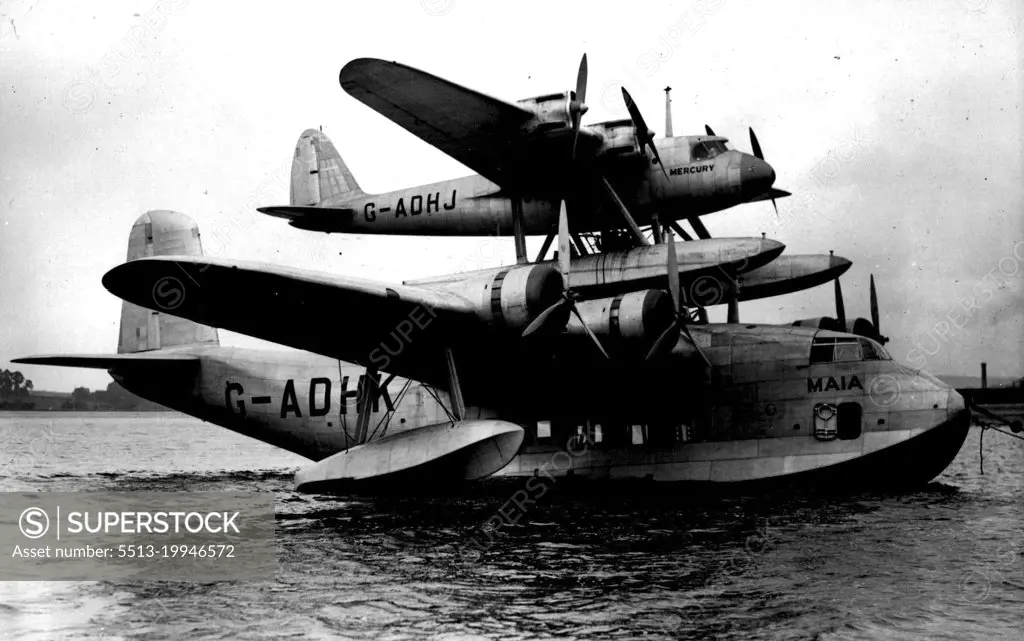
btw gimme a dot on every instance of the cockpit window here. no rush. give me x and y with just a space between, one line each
873 351
706 150
870 353
847 352
842 349
716 147
830 349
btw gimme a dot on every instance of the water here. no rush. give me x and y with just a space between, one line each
945 563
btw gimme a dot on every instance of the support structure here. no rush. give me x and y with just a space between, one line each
454 387
366 395
545 247
733 315
633 227
517 230
655 228
668 112
581 247
679 230
699 227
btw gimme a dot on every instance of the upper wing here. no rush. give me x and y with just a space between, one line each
477 130
397 328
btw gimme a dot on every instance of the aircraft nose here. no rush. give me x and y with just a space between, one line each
955 403
758 175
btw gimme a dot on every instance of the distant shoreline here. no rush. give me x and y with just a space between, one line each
7 412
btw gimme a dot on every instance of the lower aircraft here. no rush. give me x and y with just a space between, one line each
531 370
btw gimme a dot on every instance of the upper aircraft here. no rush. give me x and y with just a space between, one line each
529 155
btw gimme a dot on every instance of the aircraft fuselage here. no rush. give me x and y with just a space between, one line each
474 206
763 418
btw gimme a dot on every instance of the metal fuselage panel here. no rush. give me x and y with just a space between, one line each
474 206
755 417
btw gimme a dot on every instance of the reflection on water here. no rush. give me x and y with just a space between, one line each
623 562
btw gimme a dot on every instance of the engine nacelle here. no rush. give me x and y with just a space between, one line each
821 322
552 112
862 327
510 297
637 318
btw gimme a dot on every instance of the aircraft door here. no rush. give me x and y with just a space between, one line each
849 416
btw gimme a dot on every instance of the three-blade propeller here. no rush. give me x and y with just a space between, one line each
556 317
578 105
841 312
644 136
670 336
756 147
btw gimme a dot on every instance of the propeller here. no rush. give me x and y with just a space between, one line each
556 317
874 313
644 136
840 307
856 329
578 105
670 336
756 146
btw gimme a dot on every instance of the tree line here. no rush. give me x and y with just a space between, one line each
16 394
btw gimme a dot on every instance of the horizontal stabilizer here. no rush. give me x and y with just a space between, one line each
313 218
112 361
768 195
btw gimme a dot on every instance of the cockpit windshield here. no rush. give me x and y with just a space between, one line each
843 349
707 149
874 351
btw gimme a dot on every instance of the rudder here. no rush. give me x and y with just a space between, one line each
162 233
318 172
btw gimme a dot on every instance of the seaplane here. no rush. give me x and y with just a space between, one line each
528 372
622 178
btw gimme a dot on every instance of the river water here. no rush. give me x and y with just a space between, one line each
946 562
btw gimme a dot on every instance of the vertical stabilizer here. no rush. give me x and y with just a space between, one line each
162 233
318 172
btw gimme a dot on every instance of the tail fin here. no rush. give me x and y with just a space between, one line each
162 233
318 172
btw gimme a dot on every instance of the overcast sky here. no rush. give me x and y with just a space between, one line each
897 126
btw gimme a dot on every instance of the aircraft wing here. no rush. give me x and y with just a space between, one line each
477 130
397 328
168 360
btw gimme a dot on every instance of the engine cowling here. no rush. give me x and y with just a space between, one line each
862 327
552 112
510 297
857 326
821 322
636 318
